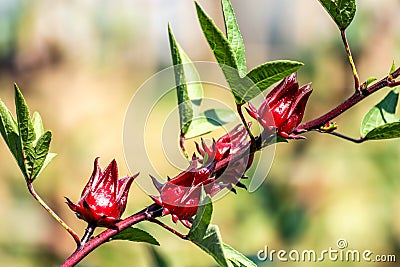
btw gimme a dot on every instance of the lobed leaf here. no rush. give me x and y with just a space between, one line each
216 39
41 152
341 11
25 138
37 126
136 235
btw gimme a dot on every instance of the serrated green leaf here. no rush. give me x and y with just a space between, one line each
235 38
41 152
185 106
393 68
386 131
216 39
237 258
381 114
26 131
267 74
223 53
208 121
136 235
341 11
37 126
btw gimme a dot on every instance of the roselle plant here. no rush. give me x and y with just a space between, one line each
221 165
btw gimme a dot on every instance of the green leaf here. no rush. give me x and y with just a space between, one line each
224 54
208 121
381 114
393 68
48 159
26 131
216 39
212 243
7 123
341 11
369 81
193 84
235 38
37 126
202 219
41 152
237 258
185 106
207 236
136 235
386 131
15 147
267 74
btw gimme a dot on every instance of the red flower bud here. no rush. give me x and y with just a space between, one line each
232 143
283 108
104 197
180 196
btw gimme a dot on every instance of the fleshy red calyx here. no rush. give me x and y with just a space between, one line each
283 108
104 197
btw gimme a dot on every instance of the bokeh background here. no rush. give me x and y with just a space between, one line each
80 62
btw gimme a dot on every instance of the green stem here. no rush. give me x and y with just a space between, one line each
351 61
53 214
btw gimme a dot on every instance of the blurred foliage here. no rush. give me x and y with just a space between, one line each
78 63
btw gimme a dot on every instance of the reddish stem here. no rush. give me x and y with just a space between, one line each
105 236
350 102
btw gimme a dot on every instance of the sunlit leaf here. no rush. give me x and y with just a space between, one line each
37 126
267 74
41 152
386 131
380 114
235 38
393 68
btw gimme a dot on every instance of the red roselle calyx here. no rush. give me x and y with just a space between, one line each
233 143
180 196
104 197
283 108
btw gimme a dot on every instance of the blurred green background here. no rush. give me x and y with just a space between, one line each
80 62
